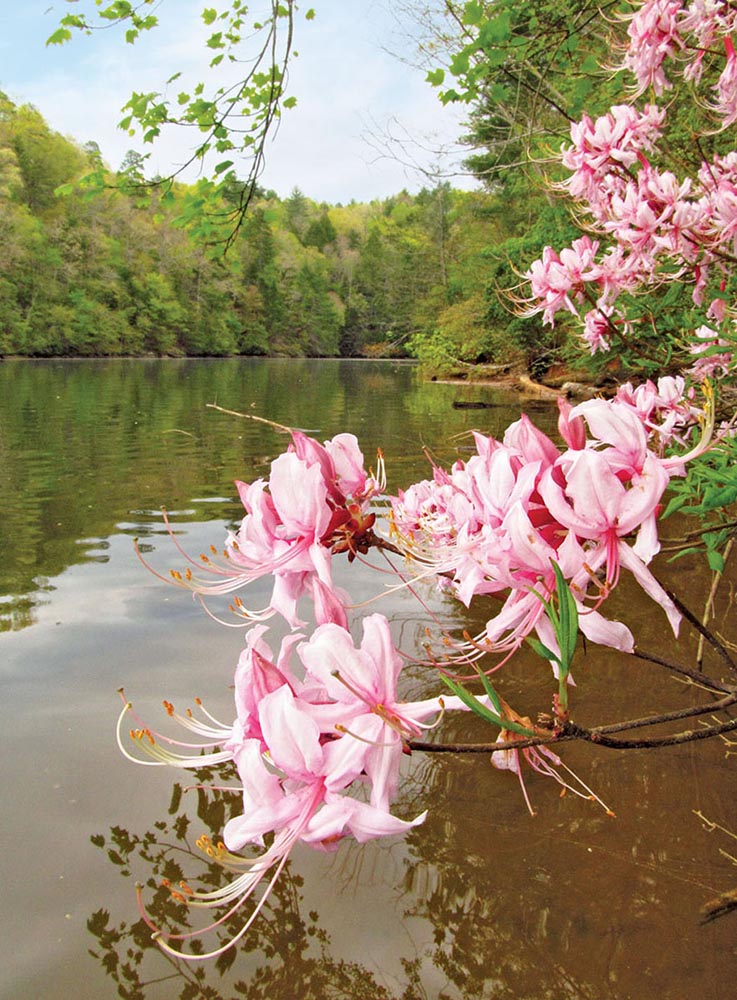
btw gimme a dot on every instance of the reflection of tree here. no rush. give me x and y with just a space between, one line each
570 904
88 446
291 954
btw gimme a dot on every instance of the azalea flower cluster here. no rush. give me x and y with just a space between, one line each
648 225
498 523
315 503
317 751
320 730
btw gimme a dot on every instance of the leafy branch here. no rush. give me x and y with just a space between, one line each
233 120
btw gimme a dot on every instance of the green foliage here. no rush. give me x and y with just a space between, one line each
89 271
526 69
708 493
563 616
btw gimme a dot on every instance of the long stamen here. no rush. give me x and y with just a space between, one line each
362 739
237 937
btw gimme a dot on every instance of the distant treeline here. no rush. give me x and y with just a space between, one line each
109 274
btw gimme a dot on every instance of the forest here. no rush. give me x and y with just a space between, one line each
108 274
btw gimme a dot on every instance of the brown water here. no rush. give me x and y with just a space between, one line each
482 901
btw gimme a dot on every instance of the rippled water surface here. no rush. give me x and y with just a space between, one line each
483 900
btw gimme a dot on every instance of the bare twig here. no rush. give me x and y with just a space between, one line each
709 606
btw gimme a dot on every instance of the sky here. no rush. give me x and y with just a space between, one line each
351 94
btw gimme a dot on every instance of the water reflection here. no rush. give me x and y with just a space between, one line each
289 952
568 906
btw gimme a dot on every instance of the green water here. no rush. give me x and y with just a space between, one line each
482 901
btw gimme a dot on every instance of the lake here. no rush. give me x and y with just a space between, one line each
483 900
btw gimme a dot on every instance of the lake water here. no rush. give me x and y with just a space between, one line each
483 900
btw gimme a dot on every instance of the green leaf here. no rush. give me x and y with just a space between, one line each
471 702
675 504
310 15
60 36
541 650
568 618
590 64
209 14
290 102
496 30
480 709
473 14
715 560
222 167
460 62
490 691
435 77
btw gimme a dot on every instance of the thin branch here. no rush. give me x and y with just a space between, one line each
702 630
709 606
602 735
693 535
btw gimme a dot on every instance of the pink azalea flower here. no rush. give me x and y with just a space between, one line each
363 682
314 504
725 104
654 37
299 798
599 508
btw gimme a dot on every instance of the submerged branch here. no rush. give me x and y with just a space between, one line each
695 675
702 630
